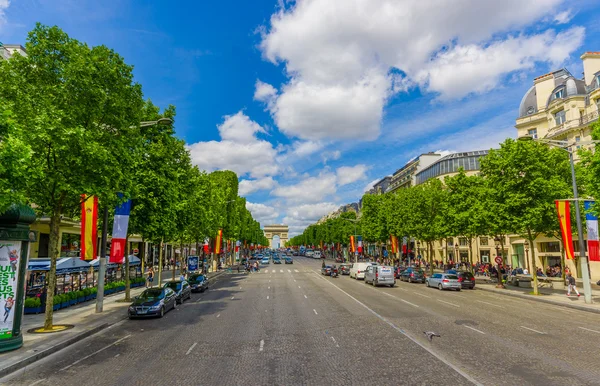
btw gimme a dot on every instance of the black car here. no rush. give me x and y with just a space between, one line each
152 302
345 269
466 279
288 260
398 271
182 289
413 275
276 260
198 282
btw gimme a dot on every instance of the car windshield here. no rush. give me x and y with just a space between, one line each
152 294
452 277
175 286
196 278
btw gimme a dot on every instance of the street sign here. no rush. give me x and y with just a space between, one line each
192 263
136 251
498 260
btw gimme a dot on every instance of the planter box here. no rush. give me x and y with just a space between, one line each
72 302
81 299
64 304
121 288
56 307
88 297
32 310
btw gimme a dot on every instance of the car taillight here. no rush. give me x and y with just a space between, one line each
412 275
460 279
376 275
358 271
472 279
445 280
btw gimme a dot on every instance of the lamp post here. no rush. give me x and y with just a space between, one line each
456 254
585 267
527 253
500 284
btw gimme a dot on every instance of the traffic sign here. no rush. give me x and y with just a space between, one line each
498 260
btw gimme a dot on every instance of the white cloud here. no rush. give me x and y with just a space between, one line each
249 186
370 185
339 54
4 4
264 92
309 190
563 17
262 213
349 174
239 150
300 216
302 149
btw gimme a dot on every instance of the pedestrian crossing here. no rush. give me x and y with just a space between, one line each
280 271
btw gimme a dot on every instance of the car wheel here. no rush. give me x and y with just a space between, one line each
473 287
440 287
162 312
373 282
458 289
409 280
426 283
392 285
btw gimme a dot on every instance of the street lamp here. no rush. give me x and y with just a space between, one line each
568 147
456 254
497 242
527 253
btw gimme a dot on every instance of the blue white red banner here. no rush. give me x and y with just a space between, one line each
119 233
592 232
360 244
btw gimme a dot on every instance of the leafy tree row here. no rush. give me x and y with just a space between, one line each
70 124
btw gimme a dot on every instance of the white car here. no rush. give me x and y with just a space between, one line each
265 260
357 271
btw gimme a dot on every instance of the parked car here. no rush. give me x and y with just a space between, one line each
295 253
289 260
443 281
198 282
358 270
466 279
265 260
182 289
276 260
413 275
339 260
380 275
152 302
398 271
344 269
326 270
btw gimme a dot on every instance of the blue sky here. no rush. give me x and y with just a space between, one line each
311 101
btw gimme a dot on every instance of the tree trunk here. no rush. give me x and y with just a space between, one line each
53 252
127 280
160 262
562 261
533 263
471 254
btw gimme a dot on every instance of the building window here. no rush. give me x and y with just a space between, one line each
552 246
560 117
462 241
532 133
559 94
577 140
450 242
483 241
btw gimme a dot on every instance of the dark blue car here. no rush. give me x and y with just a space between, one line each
152 302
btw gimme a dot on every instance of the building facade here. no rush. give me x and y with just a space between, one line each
449 165
8 50
405 177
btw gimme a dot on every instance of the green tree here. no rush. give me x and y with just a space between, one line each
524 179
79 111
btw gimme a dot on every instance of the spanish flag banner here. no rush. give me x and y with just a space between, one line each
219 241
564 220
394 244
89 227
352 244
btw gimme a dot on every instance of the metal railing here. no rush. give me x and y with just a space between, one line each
591 117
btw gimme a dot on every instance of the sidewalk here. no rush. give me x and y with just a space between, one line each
548 295
85 319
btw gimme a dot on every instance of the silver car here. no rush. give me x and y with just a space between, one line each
380 275
443 281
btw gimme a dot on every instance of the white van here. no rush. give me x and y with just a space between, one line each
358 270
380 275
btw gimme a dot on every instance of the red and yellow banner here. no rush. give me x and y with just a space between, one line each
89 227
394 241
564 220
352 244
218 241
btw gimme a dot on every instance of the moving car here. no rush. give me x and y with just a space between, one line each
358 270
443 281
344 269
413 275
265 260
152 302
326 270
276 260
289 260
198 282
380 275
182 289
466 279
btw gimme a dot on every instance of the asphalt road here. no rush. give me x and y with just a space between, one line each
288 325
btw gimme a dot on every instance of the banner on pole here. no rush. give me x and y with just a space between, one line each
119 233
591 221
218 241
352 245
89 227
564 220
394 241
360 244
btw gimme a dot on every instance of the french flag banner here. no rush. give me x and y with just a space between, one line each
119 233
360 244
592 232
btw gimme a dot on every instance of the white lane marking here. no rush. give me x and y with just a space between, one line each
299 287
296 270
262 344
305 297
268 287
218 315
531 329
315 311
95 352
452 304
474 329
289 271
402 300
336 343
198 301
191 348
281 270
414 340
266 271
489 304
587 329
232 297
425 296
38 381
269 281
116 356
294 280
267 297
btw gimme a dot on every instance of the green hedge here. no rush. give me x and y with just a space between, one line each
33 302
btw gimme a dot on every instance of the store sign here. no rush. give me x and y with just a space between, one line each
9 266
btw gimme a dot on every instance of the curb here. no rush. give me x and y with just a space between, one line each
541 300
51 350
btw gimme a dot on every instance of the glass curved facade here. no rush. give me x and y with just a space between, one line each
450 164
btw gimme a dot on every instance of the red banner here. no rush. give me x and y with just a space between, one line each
564 220
352 244
218 241
89 227
394 241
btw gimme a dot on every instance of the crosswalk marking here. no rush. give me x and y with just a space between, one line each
295 270
266 271
281 270
289 271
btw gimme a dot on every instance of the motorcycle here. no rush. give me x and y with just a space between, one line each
334 272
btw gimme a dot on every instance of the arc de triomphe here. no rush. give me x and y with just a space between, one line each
276 230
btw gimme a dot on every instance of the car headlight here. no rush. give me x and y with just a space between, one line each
131 308
157 307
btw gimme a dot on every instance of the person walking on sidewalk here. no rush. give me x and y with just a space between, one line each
150 277
571 281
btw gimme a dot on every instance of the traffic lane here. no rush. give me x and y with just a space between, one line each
118 352
463 346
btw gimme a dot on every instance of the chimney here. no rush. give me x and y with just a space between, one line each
591 65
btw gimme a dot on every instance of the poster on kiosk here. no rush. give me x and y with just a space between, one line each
9 267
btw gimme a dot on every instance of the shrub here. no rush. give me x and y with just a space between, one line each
33 302
86 292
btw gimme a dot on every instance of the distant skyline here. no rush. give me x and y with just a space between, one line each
313 101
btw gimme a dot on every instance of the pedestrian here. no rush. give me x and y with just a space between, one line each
150 277
571 282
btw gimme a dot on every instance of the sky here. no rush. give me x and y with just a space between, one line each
310 102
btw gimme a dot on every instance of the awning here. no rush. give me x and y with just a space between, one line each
133 261
63 265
